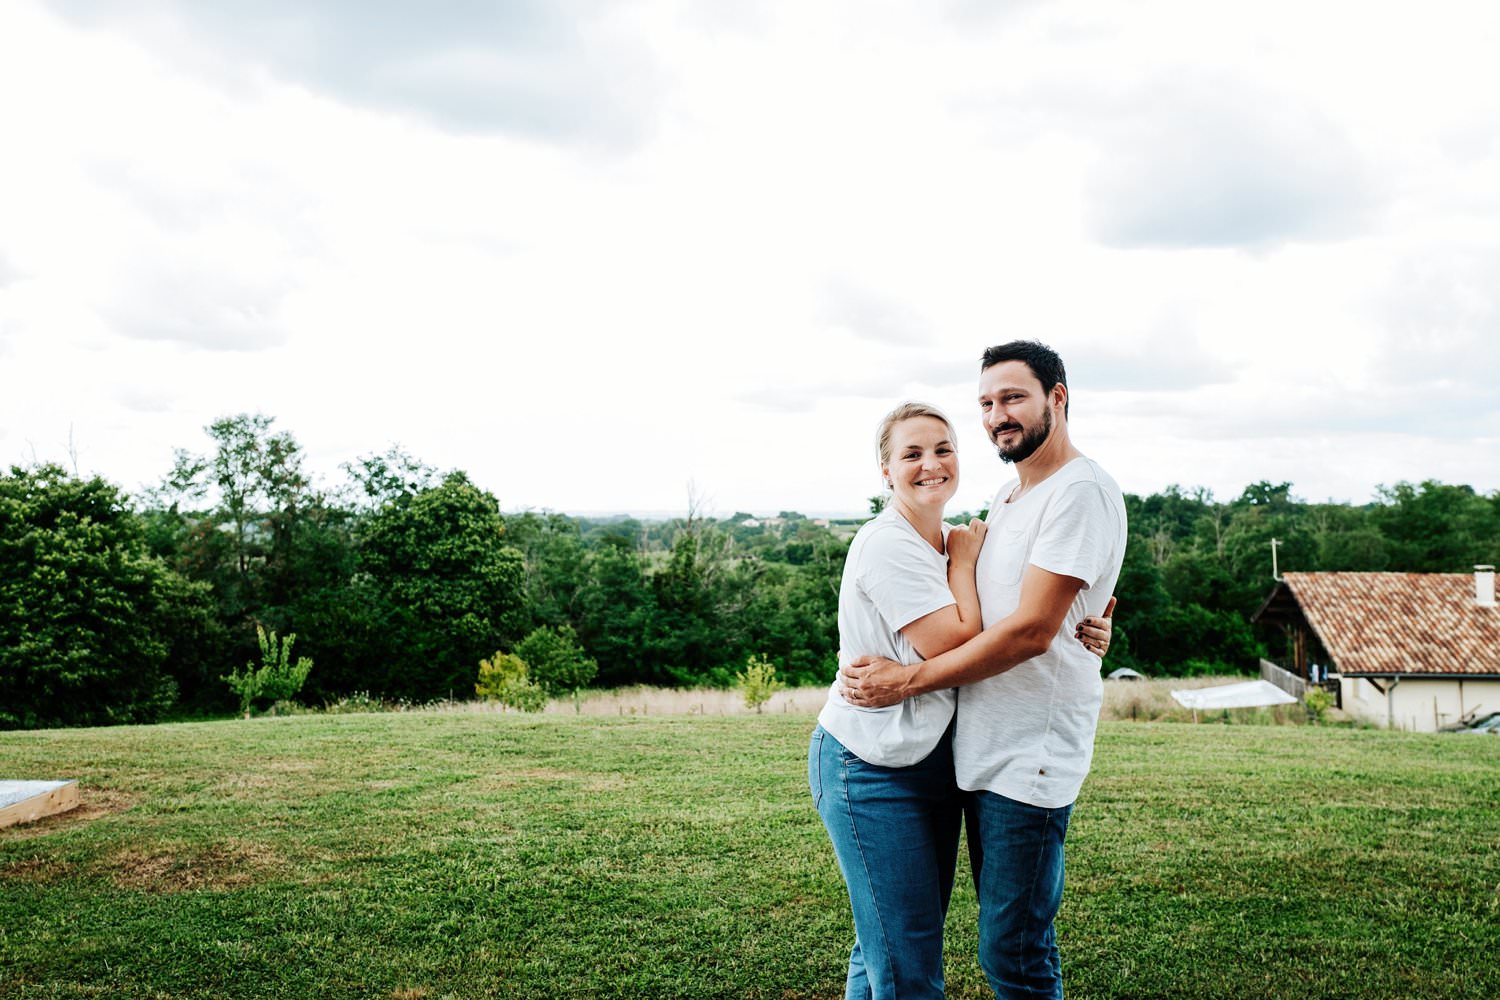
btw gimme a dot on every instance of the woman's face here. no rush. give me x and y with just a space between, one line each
923 467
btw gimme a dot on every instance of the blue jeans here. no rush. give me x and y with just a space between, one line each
1016 851
895 832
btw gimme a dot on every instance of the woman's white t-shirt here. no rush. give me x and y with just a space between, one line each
892 577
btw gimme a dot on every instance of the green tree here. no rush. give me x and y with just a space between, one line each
556 564
758 682
85 609
615 609
277 678
440 564
1434 527
376 480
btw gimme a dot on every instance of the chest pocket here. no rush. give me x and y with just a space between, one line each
1005 556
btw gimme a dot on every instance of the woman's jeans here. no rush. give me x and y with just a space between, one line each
895 832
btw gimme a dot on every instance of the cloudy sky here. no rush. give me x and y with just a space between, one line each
591 252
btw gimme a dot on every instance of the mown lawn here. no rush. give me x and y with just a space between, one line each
437 855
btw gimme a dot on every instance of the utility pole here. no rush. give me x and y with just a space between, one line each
1275 572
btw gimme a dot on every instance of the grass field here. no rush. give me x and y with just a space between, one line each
425 855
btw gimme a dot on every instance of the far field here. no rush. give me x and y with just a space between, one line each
426 855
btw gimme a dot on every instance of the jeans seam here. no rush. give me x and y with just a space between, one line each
887 972
1032 931
816 759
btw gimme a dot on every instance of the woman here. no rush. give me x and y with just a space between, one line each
882 779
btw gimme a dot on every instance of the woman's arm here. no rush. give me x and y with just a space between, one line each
951 627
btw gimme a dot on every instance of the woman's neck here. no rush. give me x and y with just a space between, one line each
927 521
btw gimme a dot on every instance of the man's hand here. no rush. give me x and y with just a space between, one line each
874 682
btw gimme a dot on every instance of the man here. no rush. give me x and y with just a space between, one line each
1030 693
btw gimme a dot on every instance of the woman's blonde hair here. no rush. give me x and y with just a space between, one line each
904 412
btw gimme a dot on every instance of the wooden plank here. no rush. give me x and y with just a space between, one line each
49 798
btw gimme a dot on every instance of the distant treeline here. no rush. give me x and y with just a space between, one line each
400 579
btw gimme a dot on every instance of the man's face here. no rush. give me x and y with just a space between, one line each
1016 413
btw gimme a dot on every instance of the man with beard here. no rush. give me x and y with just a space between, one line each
1029 695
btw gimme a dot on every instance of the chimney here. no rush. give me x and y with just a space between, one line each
1484 586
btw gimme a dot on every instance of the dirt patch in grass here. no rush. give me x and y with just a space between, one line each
230 864
522 777
36 870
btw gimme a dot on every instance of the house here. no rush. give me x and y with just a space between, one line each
1410 651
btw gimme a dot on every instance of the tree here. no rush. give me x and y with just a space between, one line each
758 682
376 480
615 610
440 564
257 490
556 567
276 678
84 608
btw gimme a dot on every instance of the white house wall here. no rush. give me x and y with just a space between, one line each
1419 704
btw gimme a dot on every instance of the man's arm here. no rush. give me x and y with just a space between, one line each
871 682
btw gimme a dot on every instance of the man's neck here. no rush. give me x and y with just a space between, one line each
1056 452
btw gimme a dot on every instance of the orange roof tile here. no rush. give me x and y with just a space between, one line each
1400 623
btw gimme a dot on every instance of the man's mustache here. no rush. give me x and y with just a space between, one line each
1003 428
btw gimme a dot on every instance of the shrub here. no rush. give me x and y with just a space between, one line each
555 660
758 681
1318 702
276 679
355 703
504 678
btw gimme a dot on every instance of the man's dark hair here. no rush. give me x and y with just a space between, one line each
1041 359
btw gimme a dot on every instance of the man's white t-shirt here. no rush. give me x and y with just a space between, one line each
1028 733
892 577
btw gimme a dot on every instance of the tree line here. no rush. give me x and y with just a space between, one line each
399 580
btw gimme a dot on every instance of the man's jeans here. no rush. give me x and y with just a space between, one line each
1016 851
895 832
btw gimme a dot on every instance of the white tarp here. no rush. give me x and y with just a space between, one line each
12 792
1250 694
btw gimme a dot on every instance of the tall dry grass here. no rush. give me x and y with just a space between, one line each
1129 701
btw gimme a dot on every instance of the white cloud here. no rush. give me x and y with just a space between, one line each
1203 161
572 72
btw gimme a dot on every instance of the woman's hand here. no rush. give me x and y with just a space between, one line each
1095 632
965 541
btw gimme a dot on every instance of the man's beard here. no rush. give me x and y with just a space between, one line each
1031 439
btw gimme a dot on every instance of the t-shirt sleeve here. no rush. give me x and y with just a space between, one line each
903 581
1078 533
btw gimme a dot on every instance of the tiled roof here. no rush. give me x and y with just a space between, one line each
1400 623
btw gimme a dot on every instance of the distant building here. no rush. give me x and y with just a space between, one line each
1412 651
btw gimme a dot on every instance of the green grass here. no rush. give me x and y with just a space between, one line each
434 855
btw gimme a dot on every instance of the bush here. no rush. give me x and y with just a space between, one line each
555 661
504 678
758 681
1318 702
276 679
